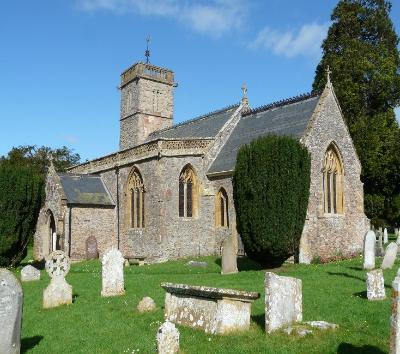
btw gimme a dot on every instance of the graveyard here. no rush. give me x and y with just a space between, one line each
333 292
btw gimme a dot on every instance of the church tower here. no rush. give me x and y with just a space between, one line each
147 102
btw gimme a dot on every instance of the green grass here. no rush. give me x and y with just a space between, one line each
333 292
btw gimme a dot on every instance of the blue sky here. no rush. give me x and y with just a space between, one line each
61 59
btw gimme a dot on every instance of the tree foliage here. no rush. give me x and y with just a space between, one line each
271 186
361 50
22 175
20 200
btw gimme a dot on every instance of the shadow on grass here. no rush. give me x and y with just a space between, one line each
362 294
74 297
243 264
347 348
347 275
356 268
260 320
29 343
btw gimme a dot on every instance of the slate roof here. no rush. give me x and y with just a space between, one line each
85 190
288 117
206 126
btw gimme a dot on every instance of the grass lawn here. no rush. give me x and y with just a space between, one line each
333 292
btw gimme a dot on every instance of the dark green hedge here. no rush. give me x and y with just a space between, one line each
21 194
271 186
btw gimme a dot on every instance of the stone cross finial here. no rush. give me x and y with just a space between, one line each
147 52
328 75
245 99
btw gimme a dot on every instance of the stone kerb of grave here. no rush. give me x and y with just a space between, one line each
214 310
59 292
390 256
395 317
283 301
30 273
112 273
11 299
369 250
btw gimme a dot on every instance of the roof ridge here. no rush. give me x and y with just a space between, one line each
281 103
196 118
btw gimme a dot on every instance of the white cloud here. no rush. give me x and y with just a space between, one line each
397 111
214 17
306 42
69 139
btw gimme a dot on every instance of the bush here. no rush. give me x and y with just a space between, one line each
271 185
21 195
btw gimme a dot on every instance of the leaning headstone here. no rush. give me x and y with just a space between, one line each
11 298
229 261
390 255
375 285
59 292
92 251
369 250
112 273
147 304
385 236
395 318
283 301
167 339
30 273
380 252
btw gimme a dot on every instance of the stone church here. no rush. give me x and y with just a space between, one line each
167 192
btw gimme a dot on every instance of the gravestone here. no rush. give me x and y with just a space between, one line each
390 256
11 299
380 252
29 273
375 285
59 292
92 251
167 339
283 301
229 261
397 232
385 236
112 273
147 304
369 250
395 317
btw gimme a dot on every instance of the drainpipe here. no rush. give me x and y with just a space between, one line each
69 231
117 173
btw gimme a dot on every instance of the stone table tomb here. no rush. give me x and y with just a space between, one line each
214 310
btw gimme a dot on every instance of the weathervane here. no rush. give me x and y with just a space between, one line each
245 100
328 75
147 52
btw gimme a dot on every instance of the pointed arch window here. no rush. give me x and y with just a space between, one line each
188 193
333 181
221 209
136 200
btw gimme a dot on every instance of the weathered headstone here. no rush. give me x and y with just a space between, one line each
11 298
167 339
369 250
397 232
375 285
59 292
283 301
380 251
395 318
92 251
30 273
147 304
385 236
229 261
390 255
112 273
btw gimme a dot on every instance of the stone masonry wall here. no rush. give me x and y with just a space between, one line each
87 221
146 106
329 235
